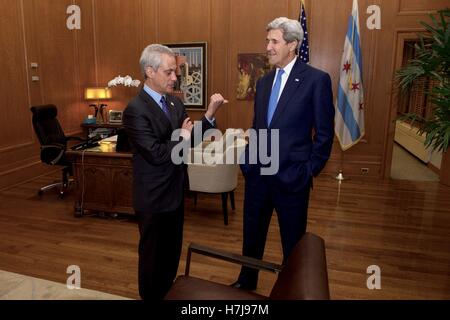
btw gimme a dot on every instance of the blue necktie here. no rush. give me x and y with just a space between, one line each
165 107
274 97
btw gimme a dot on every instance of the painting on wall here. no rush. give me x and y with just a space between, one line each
191 73
251 67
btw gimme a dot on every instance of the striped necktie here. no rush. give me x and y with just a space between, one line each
165 107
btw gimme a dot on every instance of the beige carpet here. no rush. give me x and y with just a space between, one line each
405 166
15 286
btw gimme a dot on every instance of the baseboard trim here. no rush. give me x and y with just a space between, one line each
24 173
433 168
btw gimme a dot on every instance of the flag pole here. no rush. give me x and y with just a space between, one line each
350 129
340 176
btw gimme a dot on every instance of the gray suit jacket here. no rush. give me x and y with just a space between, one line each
157 181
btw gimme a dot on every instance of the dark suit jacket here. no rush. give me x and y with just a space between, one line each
157 181
306 104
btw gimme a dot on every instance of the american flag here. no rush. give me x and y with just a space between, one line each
303 49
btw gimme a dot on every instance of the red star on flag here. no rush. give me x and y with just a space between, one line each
347 67
355 86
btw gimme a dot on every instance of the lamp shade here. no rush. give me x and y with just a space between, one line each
97 93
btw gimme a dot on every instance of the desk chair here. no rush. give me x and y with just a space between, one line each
53 144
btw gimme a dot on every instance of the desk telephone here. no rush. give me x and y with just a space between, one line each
102 132
90 143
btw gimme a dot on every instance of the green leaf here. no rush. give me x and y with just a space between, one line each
432 60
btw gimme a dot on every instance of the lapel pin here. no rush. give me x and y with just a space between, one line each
297 80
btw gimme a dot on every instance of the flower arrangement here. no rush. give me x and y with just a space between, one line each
127 81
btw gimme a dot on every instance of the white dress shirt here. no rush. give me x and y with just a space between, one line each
287 71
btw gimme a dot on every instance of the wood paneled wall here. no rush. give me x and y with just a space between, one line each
17 143
114 32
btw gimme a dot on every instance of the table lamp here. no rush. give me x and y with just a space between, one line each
98 94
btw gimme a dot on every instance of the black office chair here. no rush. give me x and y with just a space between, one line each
53 143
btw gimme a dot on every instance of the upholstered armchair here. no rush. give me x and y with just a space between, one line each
213 168
303 277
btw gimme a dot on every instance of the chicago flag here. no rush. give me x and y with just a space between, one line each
349 119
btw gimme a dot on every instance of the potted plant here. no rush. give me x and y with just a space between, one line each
432 60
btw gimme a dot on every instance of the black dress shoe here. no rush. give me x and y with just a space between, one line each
243 286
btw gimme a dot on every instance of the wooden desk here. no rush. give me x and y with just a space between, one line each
103 180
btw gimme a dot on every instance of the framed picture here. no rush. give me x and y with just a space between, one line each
251 67
191 72
115 116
